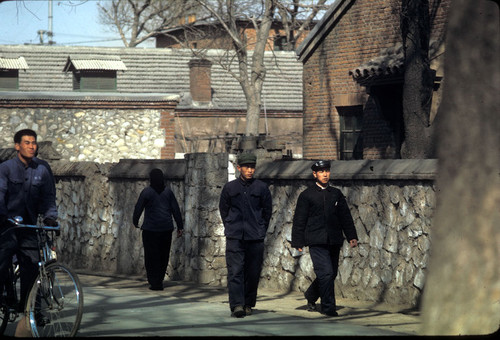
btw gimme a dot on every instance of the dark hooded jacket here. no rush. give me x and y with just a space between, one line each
159 204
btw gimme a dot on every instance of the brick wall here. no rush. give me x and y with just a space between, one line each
167 123
219 39
366 28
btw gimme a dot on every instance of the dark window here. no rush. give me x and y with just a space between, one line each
9 80
279 43
351 139
94 80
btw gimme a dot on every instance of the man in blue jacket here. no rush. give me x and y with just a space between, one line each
27 189
245 207
321 220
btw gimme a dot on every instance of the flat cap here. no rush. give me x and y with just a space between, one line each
247 158
320 165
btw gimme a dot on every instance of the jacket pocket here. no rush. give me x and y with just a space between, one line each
315 229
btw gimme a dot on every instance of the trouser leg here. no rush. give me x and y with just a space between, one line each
325 261
166 243
235 261
254 256
28 257
312 293
154 257
8 244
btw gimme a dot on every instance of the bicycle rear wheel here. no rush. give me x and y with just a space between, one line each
55 303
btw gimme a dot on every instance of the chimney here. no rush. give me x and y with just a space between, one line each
200 80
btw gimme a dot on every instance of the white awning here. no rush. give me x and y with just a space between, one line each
17 63
98 63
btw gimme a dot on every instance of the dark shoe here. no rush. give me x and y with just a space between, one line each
331 314
248 310
156 287
238 312
311 306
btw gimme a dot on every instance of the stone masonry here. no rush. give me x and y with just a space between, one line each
392 203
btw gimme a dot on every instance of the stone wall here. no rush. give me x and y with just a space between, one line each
97 135
391 202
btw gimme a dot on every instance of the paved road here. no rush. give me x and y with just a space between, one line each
118 306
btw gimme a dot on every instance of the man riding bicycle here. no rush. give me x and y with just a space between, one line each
27 189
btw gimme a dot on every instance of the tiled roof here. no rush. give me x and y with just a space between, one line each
390 62
161 71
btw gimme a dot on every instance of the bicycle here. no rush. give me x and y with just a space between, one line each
54 306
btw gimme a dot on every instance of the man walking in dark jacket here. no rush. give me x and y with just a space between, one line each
321 220
245 207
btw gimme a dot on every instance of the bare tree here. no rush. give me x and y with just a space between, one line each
296 17
144 18
462 290
138 20
251 70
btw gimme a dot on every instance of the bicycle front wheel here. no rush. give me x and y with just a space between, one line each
55 303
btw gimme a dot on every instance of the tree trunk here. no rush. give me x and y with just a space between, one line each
418 80
253 88
253 115
462 292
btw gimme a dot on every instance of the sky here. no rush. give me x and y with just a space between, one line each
74 23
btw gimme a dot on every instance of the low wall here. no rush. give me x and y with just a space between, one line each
392 202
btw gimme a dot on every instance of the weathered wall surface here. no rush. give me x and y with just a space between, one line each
96 135
391 201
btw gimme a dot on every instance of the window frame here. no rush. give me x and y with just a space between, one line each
9 77
95 80
351 124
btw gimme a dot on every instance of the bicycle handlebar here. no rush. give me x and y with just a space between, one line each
34 226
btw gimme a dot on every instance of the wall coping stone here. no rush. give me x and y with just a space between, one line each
90 96
78 169
140 168
392 169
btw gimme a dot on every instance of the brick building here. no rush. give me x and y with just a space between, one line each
353 79
202 35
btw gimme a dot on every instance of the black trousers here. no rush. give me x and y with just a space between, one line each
156 255
244 264
325 261
22 243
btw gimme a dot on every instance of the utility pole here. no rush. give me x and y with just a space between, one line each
49 33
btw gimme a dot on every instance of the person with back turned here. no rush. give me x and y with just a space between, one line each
322 218
159 204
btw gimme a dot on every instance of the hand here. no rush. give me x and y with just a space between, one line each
180 232
3 220
50 222
299 249
353 243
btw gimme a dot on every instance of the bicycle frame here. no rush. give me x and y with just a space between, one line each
56 292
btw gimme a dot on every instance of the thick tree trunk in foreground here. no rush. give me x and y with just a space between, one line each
462 292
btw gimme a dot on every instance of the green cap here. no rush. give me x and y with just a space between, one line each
247 158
